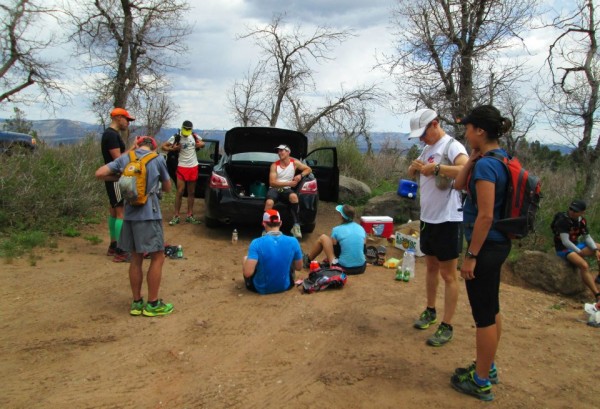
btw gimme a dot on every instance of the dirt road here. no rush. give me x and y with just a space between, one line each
67 339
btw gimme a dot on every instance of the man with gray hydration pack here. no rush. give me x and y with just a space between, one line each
441 217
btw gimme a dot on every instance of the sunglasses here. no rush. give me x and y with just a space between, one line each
425 131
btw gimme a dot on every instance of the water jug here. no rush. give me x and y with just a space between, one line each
408 263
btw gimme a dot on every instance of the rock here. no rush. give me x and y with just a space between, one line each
352 189
548 272
394 206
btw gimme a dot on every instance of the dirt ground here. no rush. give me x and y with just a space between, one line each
67 339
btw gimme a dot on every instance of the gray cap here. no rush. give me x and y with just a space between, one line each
420 120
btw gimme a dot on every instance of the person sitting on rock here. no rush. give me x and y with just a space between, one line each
568 227
346 246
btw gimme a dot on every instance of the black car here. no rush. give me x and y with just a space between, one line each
239 179
9 141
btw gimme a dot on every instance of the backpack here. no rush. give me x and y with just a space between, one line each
523 195
173 156
555 220
133 180
323 278
444 182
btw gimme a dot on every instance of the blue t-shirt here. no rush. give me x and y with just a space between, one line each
491 170
275 254
156 170
351 238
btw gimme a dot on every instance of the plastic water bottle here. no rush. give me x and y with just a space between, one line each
234 236
179 251
408 264
314 265
399 273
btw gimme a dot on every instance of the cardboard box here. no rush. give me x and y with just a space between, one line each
408 239
380 226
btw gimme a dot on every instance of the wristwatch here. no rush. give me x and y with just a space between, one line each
469 254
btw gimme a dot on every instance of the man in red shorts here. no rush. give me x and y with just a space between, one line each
186 142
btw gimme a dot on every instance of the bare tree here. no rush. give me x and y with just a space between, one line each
158 111
573 100
515 106
446 51
278 85
131 43
21 64
248 99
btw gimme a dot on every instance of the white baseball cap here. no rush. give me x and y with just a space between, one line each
283 147
419 121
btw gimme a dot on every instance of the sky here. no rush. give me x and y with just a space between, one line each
216 59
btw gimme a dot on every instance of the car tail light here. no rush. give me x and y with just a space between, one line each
218 182
309 187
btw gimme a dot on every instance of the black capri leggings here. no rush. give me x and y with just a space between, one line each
484 289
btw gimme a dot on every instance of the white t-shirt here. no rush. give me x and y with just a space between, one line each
187 154
440 206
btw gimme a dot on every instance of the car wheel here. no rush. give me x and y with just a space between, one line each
308 228
210 222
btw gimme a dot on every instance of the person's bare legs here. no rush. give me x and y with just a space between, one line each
154 274
323 244
191 191
431 279
487 340
136 276
584 269
179 195
450 276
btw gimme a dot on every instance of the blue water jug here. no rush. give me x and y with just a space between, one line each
407 188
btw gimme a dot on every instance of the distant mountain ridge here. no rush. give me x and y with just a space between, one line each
64 131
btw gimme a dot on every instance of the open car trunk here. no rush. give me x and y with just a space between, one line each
249 179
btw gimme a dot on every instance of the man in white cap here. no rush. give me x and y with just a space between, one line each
283 178
441 217
272 259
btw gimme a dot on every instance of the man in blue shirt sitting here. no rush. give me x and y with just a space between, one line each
272 259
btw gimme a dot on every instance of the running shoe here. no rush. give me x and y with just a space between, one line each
471 368
442 336
160 309
467 385
426 319
192 220
175 220
305 261
112 249
136 307
296 232
122 257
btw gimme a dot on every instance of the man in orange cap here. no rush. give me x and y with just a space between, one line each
112 147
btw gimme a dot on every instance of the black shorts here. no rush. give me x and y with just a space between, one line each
337 250
114 194
441 240
484 289
279 194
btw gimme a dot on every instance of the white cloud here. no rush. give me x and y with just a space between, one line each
216 58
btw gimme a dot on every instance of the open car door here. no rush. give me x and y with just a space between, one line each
207 158
323 162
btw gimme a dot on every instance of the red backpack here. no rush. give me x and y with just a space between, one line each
523 195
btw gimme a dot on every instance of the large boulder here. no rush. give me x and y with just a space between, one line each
390 204
548 272
352 189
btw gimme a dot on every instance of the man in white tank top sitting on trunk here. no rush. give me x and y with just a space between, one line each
282 181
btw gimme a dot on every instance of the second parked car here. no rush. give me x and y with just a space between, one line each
239 179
